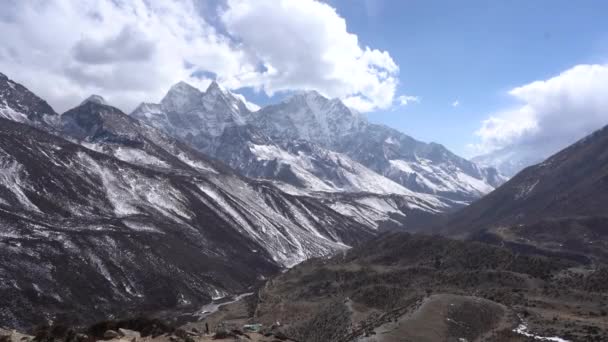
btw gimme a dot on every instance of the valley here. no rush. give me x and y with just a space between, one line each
251 218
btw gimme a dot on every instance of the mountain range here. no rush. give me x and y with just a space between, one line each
102 202
309 144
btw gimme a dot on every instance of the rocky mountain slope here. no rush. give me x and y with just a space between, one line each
90 223
17 103
557 207
571 183
142 221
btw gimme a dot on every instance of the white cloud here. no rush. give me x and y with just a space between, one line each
134 50
551 114
127 51
404 100
456 103
306 45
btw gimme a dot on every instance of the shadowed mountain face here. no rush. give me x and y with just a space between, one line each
557 207
17 103
115 217
571 183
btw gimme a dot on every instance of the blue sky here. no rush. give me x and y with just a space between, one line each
473 52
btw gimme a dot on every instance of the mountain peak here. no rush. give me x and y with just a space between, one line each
214 87
182 85
17 103
98 99
307 95
182 89
182 97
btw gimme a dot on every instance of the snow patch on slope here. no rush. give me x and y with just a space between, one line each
10 178
138 156
522 329
440 178
352 176
129 194
195 163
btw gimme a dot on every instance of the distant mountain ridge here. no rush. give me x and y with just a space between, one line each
512 159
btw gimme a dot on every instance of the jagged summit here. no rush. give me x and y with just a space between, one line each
215 88
94 98
310 116
181 97
17 103
186 111
311 93
183 86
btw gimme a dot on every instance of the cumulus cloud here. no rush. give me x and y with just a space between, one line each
132 51
456 103
128 45
550 114
306 45
128 51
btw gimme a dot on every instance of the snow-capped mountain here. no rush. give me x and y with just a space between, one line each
309 143
190 114
297 166
421 167
123 211
127 139
310 116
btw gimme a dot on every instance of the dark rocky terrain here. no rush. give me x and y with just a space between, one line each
403 287
92 224
19 104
